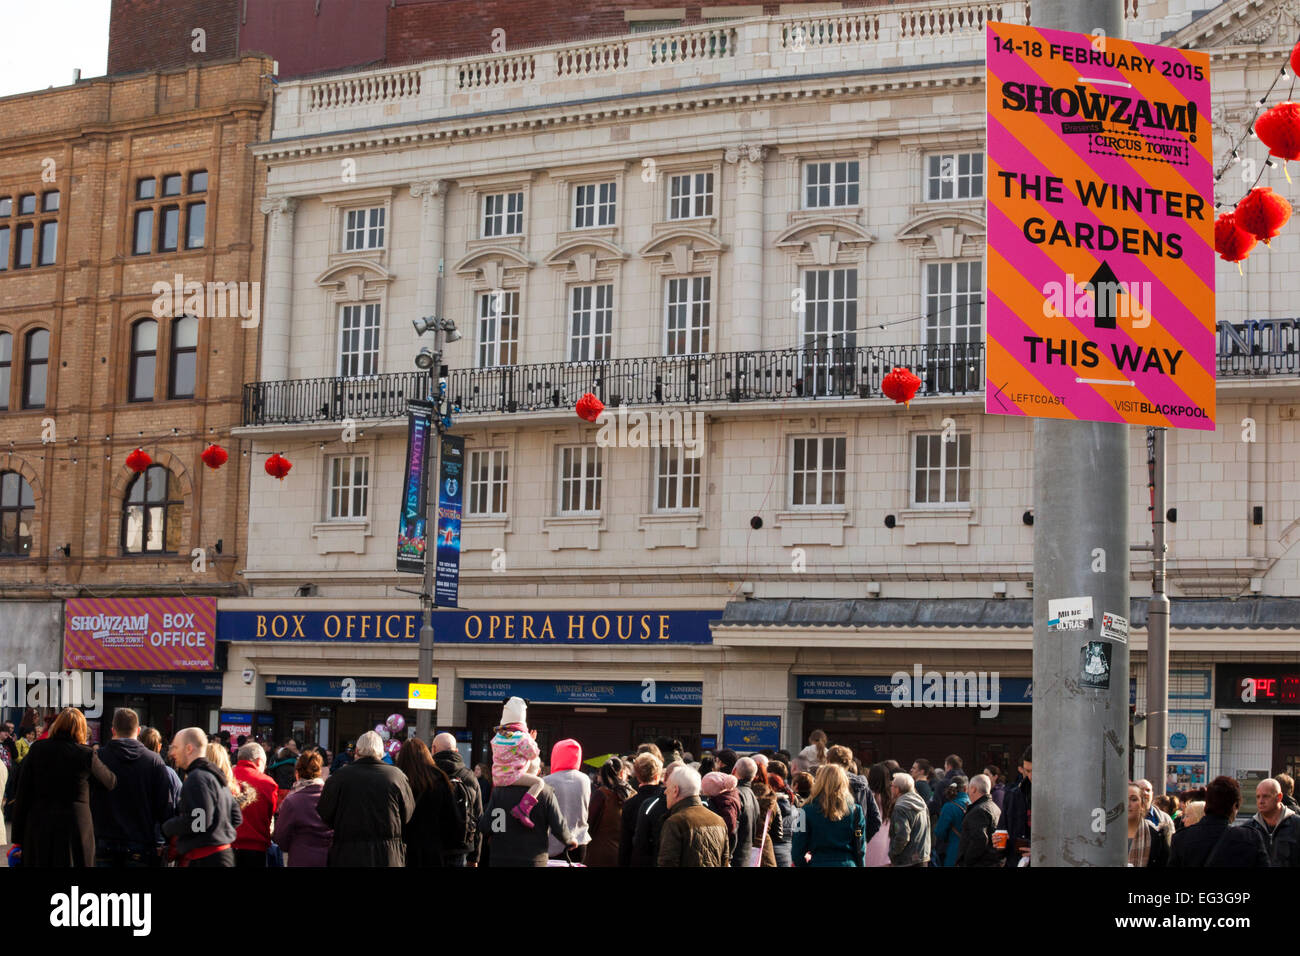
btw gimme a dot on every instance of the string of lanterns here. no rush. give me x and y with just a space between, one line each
1260 215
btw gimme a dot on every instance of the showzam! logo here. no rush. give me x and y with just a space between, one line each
1102 107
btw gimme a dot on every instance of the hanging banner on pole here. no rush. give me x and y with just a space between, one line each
412 535
451 490
1100 242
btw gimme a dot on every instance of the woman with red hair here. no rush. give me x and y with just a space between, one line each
52 821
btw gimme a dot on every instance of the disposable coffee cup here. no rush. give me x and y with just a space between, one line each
1000 839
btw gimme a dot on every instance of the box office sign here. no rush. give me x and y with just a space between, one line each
535 628
648 692
1100 217
140 634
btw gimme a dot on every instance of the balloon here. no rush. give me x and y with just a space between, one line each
382 731
396 723
392 747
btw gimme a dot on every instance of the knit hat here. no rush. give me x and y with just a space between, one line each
716 782
515 711
566 755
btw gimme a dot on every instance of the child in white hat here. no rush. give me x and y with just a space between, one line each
513 748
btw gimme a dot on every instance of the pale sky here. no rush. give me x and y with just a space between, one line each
47 39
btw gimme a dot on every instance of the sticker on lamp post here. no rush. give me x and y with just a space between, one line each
1095 672
422 696
1069 614
1114 627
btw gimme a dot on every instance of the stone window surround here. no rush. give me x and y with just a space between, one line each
557 525
340 204
475 189
707 161
490 530
793 159
823 524
919 146
567 179
702 263
345 535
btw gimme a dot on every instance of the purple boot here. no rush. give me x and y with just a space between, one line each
523 809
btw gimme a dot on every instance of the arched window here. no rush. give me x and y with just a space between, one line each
6 367
17 508
144 360
185 353
36 357
151 513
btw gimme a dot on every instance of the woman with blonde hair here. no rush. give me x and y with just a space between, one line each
1193 813
814 755
832 831
219 757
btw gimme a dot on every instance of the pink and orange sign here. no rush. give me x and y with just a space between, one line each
140 634
1100 298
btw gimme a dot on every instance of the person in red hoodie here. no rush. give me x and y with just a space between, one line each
253 836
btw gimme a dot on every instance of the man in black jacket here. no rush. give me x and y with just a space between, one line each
648 769
365 804
977 826
125 817
450 762
205 826
1017 811
1214 841
650 822
749 816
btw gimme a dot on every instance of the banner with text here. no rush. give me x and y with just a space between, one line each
140 634
412 535
1100 212
451 490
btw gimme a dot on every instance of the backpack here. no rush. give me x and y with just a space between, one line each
466 821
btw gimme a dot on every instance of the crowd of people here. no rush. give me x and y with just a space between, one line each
123 804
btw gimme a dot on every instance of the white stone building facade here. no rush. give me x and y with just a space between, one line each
751 222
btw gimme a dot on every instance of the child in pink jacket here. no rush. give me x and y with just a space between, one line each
513 749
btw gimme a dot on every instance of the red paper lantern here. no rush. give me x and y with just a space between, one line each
214 456
277 466
1295 59
1263 213
138 460
1279 130
589 407
1231 242
900 385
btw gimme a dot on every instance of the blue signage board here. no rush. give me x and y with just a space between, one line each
236 717
162 682
510 628
451 489
659 693
951 688
709 742
346 689
748 732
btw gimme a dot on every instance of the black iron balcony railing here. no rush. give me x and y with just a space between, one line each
847 372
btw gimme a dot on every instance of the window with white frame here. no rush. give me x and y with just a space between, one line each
954 176
593 205
498 328
349 487
817 472
503 214
830 184
690 195
677 479
489 479
579 480
359 340
953 293
940 469
591 322
830 329
363 229
688 301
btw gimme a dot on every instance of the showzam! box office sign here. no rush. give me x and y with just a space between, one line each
1100 297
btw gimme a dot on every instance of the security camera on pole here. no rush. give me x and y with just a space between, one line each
424 459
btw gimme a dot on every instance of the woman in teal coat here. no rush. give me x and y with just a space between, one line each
831 828
947 830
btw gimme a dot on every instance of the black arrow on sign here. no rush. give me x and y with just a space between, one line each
1105 291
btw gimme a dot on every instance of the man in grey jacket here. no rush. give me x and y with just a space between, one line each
909 824
1277 824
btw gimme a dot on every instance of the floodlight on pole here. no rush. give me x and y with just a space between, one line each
425 359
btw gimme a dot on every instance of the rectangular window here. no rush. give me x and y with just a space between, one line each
954 316
579 480
146 188
49 242
593 205
690 196
171 229
941 469
27 204
688 303
349 487
143 244
359 341
498 328
489 479
172 185
196 221
50 201
503 214
831 184
26 232
830 331
591 323
954 176
817 472
677 480
4 248
199 181
6 206
363 229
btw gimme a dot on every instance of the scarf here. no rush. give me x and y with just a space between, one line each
1139 851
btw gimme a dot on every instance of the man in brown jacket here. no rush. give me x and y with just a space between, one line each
693 835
